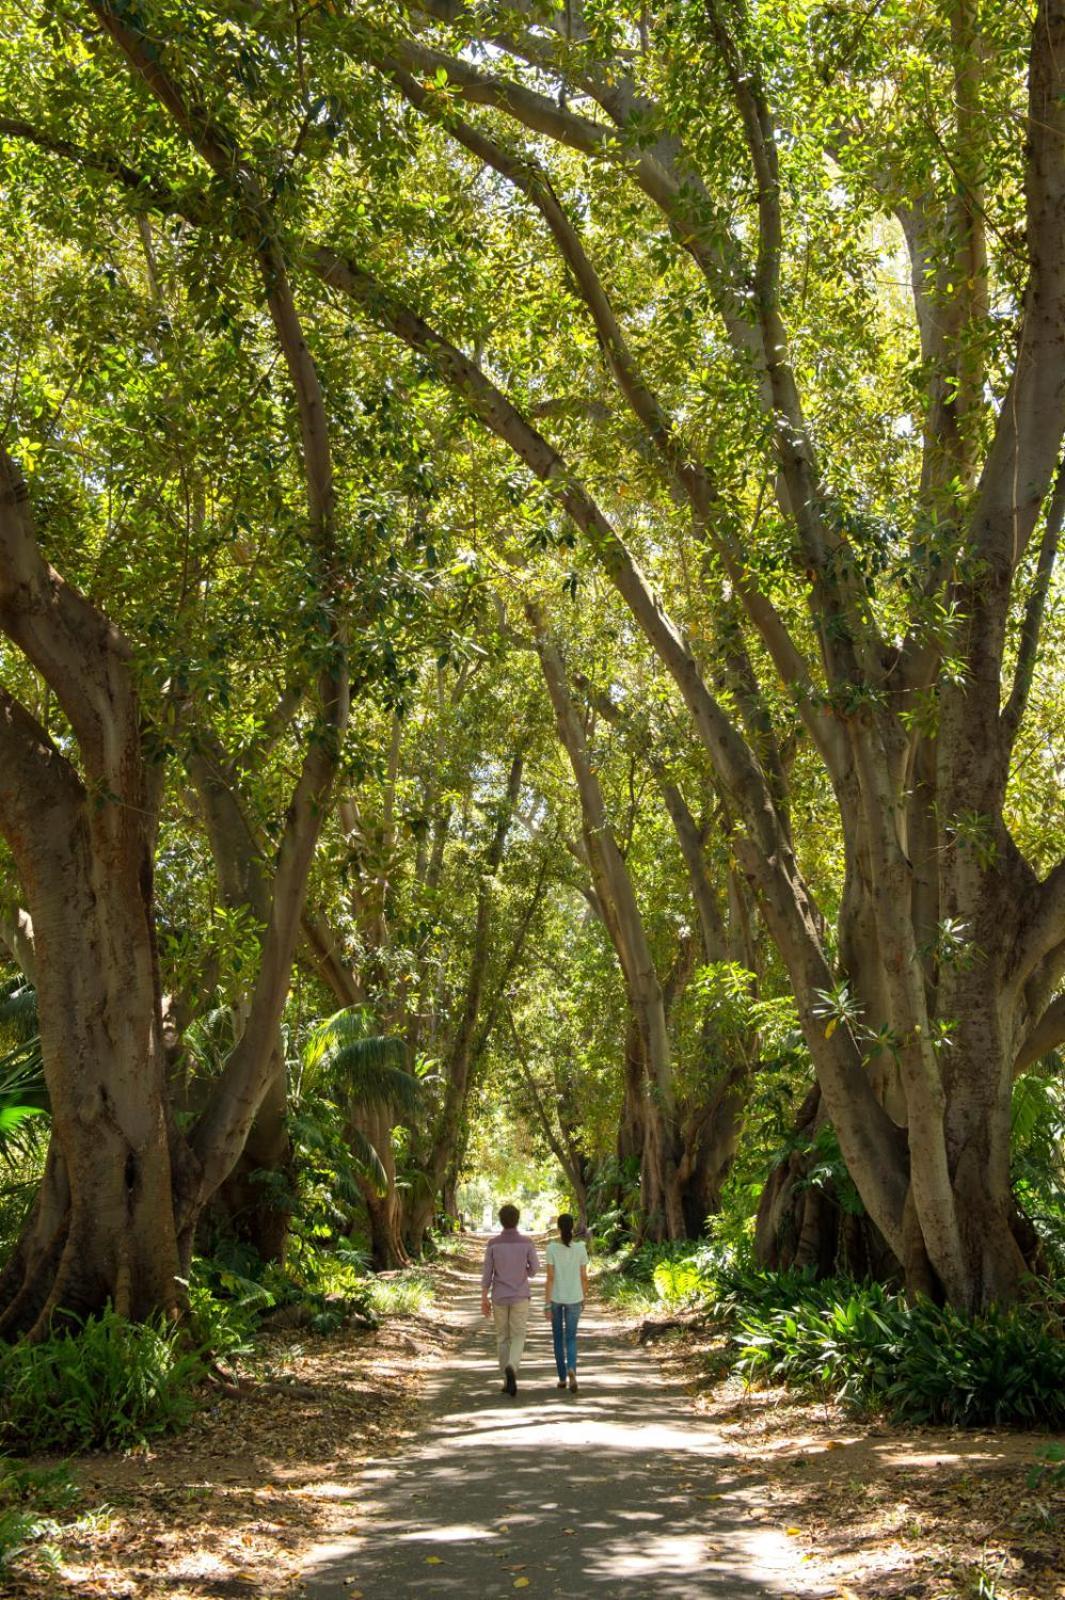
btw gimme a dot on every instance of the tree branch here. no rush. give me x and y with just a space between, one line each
1032 622
77 650
1043 1037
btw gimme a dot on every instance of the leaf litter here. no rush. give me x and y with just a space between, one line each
878 1512
230 1506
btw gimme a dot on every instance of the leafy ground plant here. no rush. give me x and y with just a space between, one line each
860 1343
105 1384
401 1294
921 1363
30 1500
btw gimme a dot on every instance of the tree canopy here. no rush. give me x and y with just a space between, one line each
530 530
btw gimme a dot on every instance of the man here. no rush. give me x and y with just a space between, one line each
509 1262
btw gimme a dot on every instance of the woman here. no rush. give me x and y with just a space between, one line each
564 1295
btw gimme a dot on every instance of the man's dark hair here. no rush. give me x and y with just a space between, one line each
508 1215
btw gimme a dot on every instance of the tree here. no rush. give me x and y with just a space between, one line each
905 698
830 514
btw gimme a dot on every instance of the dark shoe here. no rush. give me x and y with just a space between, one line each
573 1383
561 1384
511 1384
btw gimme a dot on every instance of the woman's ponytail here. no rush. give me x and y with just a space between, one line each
565 1228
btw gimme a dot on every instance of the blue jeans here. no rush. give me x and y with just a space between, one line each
564 1321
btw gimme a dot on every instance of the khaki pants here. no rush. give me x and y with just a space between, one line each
512 1324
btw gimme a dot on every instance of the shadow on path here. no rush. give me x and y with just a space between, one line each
620 1490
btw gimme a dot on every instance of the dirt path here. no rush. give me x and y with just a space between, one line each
619 1491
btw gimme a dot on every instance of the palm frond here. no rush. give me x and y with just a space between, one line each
373 1071
371 1066
1037 1102
22 1073
13 1116
211 1036
24 1118
343 1027
18 1007
367 1161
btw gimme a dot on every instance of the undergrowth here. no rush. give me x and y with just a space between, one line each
863 1345
109 1384
335 1287
405 1294
32 1499
103 1384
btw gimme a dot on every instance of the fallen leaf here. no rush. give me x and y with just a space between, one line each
794 1532
434 1561
521 1583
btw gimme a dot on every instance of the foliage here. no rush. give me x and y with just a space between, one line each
922 1363
401 1294
860 1343
1038 1154
863 1345
233 1291
680 1281
30 1498
23 1094
149 410
344 1051
106 1384
639 1277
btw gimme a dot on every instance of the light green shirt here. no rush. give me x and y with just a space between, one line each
567 1261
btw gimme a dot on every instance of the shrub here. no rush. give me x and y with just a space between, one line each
921 1363
862 1344
682 1281
105 1384
231 1291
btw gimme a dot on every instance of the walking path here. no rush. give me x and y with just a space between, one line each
620 1490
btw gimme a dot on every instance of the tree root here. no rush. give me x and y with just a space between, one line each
649 1329
233 1387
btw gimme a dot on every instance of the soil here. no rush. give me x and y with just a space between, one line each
397 1467
878 1512
230 1506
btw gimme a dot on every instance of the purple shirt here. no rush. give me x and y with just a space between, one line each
509 1262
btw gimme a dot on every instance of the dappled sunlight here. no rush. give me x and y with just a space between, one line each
618 1490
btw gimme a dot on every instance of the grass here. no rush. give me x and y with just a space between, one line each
406 1294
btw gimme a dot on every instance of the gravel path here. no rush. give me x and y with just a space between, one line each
619 1491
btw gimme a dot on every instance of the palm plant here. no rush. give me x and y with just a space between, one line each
345 1061
23 1092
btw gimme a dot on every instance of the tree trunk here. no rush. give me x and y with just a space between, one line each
384 1211
86 871
253 1202
802 1225
439 1160
660 1199
132 1186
